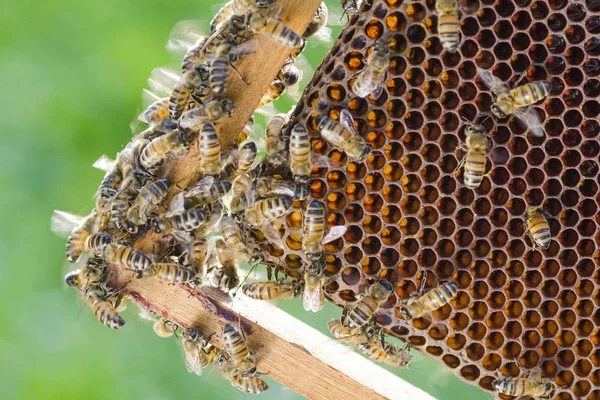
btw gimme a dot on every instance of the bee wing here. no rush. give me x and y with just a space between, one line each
202 187
323 35
63 223
184 35
268 110
535 374
531 119
377 92
177 205
347 121
495 84
104 163
325 162
162 80
193 361
282 190
306 72
249 46
311 299
334 233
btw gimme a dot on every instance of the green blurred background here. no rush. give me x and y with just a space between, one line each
72 74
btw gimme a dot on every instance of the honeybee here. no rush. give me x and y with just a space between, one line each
77 228
350 6
535 385
267 23
117 212
274 91
102 303
362 312
240 243
225 54
313 226
317 25
127 257
511 101
110 183
538 228
206 191
226 276
236 348
343 135
371 79
104 306
289 74
397 356
242 192
476 145
345 334
241 160
156 112
448 24
268 186
275 145
164 328
300 154
246 385
209 150
211 111
246 132
375 348
149 197
185 222
417 306
155 152
313 297
198 353
94 272
273 290
96 243
171 272
267 209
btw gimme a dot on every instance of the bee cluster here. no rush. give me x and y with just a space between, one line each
366 197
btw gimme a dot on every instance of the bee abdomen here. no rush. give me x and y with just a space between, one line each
107 315
235 344
474 168
530 93
541 234
360 314
441 295
510 386
97 242
178 100
448 29
174 273
218 73
189 220
129 258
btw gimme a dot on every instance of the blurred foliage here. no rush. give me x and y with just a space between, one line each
72 73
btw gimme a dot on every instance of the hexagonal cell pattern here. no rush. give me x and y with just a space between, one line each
408 210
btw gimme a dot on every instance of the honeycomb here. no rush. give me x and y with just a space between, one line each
411 218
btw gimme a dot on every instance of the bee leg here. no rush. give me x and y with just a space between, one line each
460 164
237 71
518 81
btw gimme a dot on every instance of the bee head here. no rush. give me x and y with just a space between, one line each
405 313
498 112
157 225
72 278
298 289
255 259
131 228
365 153
228 106
548 388
193 334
